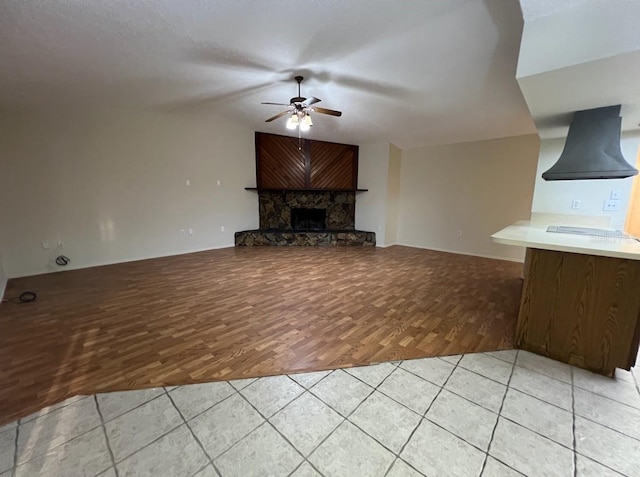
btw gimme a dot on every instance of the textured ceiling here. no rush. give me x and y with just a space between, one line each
412 73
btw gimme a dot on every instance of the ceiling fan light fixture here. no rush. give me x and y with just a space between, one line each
305 123
293 121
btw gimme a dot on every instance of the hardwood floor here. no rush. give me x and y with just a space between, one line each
243 312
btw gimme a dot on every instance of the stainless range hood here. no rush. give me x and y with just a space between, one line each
592 150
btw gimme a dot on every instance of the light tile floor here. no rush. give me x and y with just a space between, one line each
497 414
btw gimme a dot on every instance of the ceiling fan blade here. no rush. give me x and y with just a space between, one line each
277 104
309 101
279 115
330 112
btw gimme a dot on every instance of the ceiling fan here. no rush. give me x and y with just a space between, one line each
299 110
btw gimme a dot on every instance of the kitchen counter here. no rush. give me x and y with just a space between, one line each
580 301
526 235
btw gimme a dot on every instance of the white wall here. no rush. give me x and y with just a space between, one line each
476 187
393 194
555 197
112 186
373 171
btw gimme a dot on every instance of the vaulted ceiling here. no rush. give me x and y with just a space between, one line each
412 73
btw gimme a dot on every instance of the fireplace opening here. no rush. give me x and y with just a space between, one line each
308 219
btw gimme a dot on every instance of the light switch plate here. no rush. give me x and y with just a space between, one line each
616 194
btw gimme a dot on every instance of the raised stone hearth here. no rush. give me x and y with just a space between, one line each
325 238
306 218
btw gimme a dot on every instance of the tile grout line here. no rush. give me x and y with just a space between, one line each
304 387
102 423
148 444
550 403
239 392
207 409
493 433
21 420
507 387
184 421
14 469
396 366
57 445
346 418
132 409
455 366
581 416
201 469
361 402
268 422
424 416
608 467
106 437
367 432
573 426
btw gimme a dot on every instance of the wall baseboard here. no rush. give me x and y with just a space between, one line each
458 252
115 262
3 283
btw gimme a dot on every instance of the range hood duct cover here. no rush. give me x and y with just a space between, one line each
592 150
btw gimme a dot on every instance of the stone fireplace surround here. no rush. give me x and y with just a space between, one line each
275 209
276 206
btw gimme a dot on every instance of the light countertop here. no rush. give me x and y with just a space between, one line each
526 235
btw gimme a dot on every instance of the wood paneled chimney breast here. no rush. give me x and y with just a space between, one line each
289 163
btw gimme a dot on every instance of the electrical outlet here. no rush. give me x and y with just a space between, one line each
459 233
60 244
190 231
182 232
45 245
611 205
218 183
575 204
222 228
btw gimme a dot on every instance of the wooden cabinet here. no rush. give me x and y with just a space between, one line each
289 163
581 309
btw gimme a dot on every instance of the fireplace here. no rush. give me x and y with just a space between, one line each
306 194
308 219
